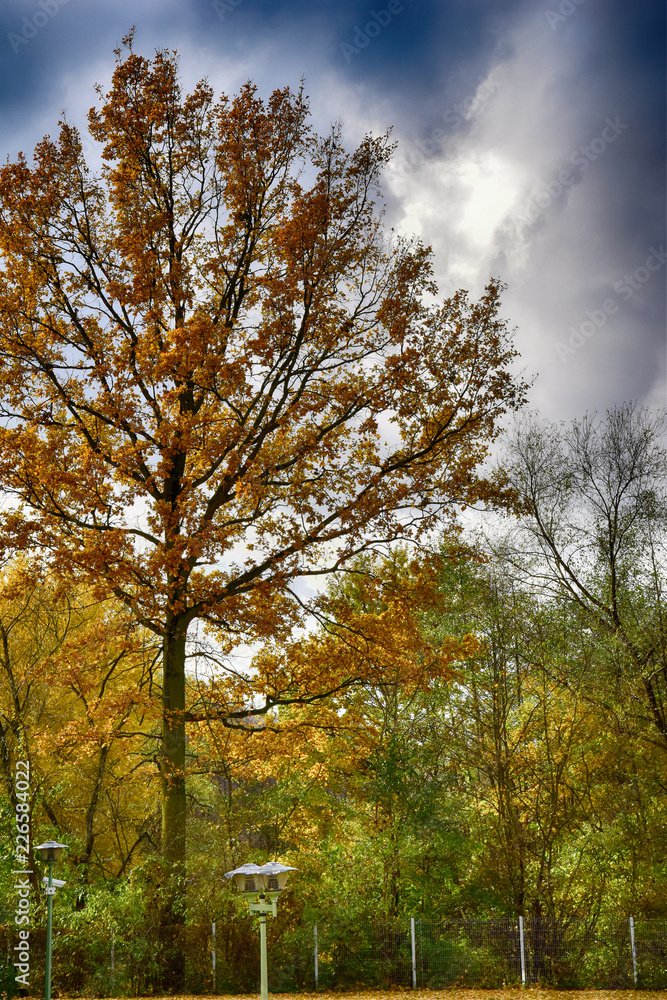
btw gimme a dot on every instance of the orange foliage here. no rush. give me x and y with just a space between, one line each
247 364
219 375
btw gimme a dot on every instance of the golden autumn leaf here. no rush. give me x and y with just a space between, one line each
218 378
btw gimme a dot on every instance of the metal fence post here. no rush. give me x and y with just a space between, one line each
634 951
317 971
522 946
414 953
213 954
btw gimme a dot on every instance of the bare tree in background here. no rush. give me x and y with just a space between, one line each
593 534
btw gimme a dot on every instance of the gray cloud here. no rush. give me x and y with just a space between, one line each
507 162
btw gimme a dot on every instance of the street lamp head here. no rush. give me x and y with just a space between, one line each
248 878
50 851
276 877
266 882
269 879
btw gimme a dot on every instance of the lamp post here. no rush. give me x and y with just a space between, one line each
49 852
261 885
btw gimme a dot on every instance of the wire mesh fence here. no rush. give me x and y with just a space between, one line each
467 952
223 957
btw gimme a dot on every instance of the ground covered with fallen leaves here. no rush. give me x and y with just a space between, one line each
511 993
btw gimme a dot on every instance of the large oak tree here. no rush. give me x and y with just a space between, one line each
220 374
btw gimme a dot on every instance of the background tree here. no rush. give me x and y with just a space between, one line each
74 703
461 778
376 730
216 380
594 536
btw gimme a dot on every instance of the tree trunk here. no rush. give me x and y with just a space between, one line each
172 769
92 805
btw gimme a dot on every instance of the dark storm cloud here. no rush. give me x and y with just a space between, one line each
507 162
46 44
604 308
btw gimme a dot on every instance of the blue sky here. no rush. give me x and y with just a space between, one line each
531 143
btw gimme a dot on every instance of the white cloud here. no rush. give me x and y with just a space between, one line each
509 191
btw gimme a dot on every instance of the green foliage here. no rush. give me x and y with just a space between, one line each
510 763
